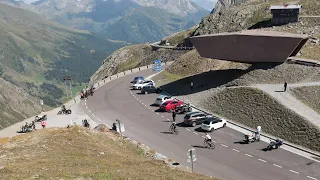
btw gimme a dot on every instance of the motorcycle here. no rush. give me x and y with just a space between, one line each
86 124
274 144
40 118
64 111
251 138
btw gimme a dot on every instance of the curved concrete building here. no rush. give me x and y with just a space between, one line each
250 46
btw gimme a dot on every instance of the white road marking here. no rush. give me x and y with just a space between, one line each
195 133
99 119
142 104
168 119
149 108
214 141
162 116
89 111
224 145
262 160
277 165
235 150
312 178
158 114
93 115
87 107
294 171
139 100
85 103
248 155
187 129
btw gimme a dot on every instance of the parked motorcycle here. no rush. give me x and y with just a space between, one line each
40 118
251 138
64 111
86 124
274 144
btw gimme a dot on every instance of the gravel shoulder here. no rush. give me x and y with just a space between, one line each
53 120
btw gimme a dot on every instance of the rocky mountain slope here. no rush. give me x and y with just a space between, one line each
35 54
134 21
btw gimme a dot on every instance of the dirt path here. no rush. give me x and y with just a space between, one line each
291 102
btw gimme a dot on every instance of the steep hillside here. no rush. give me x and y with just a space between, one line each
133 21
131 57
76 153
35 55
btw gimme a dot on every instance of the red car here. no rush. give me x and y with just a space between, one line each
170 104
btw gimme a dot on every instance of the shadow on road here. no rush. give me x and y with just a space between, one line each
181 124
159 110
166 121
197 146
154 105
166 132
240 142
198 129
279 91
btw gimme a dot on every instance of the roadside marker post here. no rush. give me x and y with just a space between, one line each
191 156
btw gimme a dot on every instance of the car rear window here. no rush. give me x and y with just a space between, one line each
159 99
165 103
187 116
206 122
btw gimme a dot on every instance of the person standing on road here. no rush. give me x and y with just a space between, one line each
43 124
174 116
191 86
285 86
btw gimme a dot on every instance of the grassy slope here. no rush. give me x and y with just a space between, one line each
253 108
309 96
77 153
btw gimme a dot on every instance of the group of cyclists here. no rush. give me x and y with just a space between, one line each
173 129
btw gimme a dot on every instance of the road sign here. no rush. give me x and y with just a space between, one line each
189 160
191 156
157 65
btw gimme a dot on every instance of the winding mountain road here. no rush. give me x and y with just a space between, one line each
230 160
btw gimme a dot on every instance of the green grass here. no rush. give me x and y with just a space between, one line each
165 77
126 65
39 78
76 90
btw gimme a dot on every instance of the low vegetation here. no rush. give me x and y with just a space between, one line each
253 108
76 153
309 96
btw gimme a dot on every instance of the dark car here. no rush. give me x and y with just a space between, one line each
195 118
136 79
150 89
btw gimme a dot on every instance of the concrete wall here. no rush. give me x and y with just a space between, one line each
248 48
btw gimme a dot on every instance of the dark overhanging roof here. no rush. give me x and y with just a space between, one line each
250 45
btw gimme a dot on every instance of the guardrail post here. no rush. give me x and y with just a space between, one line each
117 75
131 70
147 67
139 68
124 73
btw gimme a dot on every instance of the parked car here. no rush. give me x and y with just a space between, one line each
150 89
161 99
136 79
195 118
185 107
170 105
140 85
212 124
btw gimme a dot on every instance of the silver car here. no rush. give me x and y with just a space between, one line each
161 99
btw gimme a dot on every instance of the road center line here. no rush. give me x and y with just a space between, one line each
168 119
294 171
235 150
158 114
248 155
93 115
312 178
262 160
277 165
214 141
87 107
224 145
187 129
195 133
89 111
162 116
85 103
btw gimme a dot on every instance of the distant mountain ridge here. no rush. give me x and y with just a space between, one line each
110 17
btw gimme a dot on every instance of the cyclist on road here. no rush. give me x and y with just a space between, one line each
174 116
207 138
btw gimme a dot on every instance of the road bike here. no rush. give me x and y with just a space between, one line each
173 129
209 144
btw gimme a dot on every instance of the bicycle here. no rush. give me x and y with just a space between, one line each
173 129
209 144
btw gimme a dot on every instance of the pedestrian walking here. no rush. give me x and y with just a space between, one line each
43 124
174 116
191 86
285 86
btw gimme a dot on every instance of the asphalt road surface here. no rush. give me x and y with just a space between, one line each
230 160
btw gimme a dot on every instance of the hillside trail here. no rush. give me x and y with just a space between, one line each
289 101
